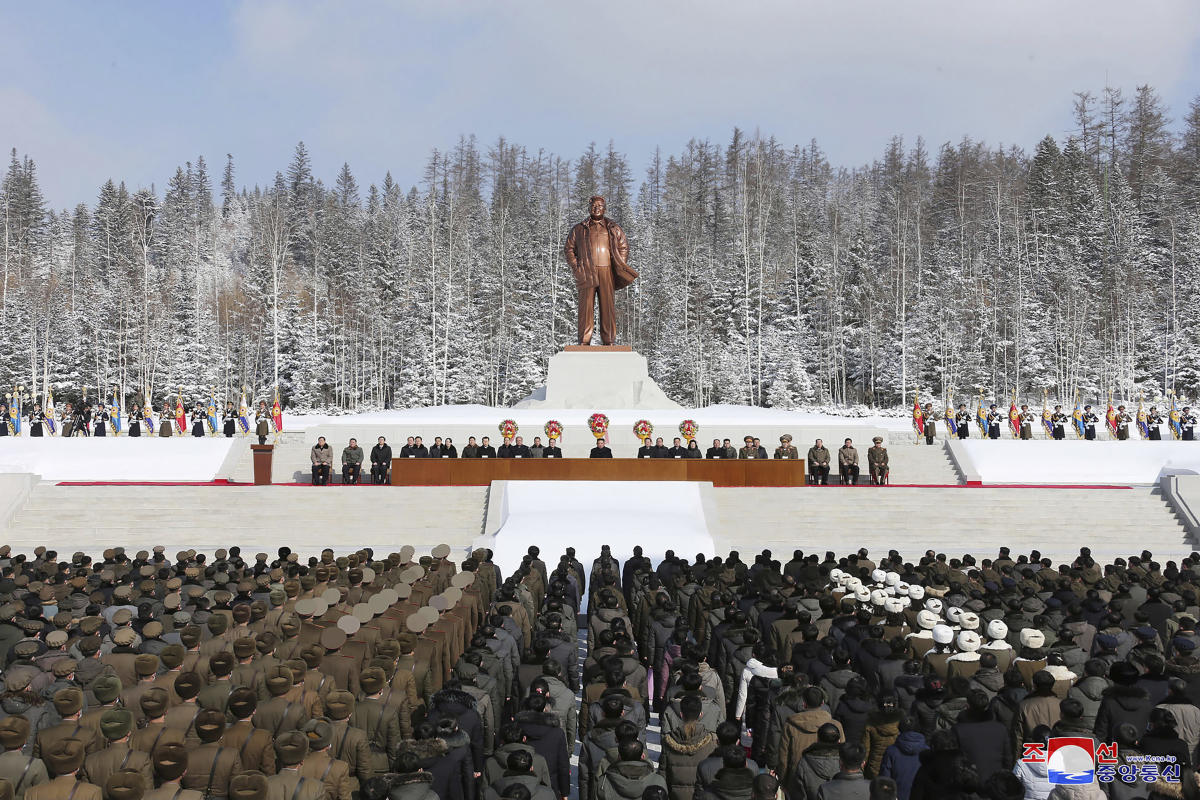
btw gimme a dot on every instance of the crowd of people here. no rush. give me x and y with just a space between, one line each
818 458
820 678
106 419
1023 423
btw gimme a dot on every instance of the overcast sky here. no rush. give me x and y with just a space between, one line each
132 89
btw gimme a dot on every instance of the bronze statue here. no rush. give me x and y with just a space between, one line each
598 253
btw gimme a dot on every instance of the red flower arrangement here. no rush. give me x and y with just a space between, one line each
598 425
508 428
554 429
689 429
643 430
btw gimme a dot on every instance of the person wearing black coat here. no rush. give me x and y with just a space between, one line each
485 449
983 741
677 450
552 449
453 704
716 451
1124 701
381 461
601 450
546 736
646 450
449 766
1162 739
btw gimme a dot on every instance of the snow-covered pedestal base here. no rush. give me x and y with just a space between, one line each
659 516
598 378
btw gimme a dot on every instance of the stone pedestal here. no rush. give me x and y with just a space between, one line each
598 378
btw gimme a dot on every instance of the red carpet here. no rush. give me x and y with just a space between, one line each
831 486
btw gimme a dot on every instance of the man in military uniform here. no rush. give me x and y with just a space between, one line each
349 743
929 423
321 765
748 450
170 763
1025 419
211 766
279 714
962 421
1123 423
68 703
1058 423
818 463
1090 421
877 461
786 450
382 728
64 759
288 784
20 770
118 756
1187 421
848 463
253 744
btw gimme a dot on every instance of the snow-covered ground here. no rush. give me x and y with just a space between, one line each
659 516
1079 462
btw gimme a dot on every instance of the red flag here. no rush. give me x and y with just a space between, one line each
1014 420
180 415
918 417
277 413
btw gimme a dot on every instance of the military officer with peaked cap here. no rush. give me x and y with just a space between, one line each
786 449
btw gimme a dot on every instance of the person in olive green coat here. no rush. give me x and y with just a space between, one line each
877 460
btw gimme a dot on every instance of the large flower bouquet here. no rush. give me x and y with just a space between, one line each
689 429
598 425
553 429
508 428
643 430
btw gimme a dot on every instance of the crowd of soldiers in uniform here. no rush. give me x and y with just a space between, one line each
360 676
1059 422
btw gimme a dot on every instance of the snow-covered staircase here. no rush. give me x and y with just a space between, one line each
923 464
305 518
289 461
952 520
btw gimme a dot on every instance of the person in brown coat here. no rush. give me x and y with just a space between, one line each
68 703
210 766
320 764
1040 707
170 763
155 734
382 729
278 714
288 783
349 743
883 728
182 718
254 744
117 756
20 770
684 748
800 731
64 759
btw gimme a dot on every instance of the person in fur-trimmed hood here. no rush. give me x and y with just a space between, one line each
451 776
455 704
684 748
410 782
545 735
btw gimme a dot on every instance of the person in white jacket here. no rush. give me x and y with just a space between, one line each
755 668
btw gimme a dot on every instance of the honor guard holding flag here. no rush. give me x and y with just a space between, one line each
1026 419
229 420
1058 424
1089 423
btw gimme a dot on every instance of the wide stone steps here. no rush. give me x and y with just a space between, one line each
913 463
306 519
978 520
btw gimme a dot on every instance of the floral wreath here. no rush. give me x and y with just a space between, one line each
598 425
508 428
643 430
689 429
553 429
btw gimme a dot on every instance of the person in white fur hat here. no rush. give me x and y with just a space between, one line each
1032 658
965 662
920 641
936 659
997 644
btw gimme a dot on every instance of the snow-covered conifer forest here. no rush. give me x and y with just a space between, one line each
768 275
